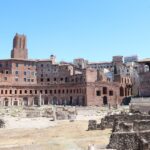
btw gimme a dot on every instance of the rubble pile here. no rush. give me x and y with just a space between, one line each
48 113
63 113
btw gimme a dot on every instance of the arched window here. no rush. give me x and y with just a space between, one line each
121 91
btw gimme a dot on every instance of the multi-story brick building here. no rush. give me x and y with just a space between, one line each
42 82
144 78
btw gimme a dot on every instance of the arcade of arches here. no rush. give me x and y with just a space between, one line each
125 91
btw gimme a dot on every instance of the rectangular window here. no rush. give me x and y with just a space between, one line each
98 93
25 91
15 91
25 73
50 91
104 90
5 91
10 92
110 93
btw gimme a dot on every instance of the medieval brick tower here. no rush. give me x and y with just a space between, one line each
19 50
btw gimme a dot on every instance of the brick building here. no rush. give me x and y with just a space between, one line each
144 77
43 82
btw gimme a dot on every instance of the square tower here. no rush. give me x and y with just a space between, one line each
19 50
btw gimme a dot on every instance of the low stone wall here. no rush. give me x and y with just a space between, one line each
108 121
32 113
141 125
140 105
92 125
60 113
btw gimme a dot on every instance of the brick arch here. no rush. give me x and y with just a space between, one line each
121 91
45 100
6 101
25 101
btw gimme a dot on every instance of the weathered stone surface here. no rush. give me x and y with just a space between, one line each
141 125
48 113
92 125
108 121
131 132
124 141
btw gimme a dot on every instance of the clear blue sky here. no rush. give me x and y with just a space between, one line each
92 29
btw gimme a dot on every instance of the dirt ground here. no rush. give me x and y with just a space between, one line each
64 136
21 133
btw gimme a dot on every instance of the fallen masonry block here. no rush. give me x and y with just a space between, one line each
92 125
2 123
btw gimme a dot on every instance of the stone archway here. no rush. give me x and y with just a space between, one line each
15 103
6 102
121 91
55 101
64 102
45 101
36 101
25 101
105 101
71 101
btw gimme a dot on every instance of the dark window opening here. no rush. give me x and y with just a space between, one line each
20 91
50 91
15 91
98 93
110 93
104 90
25 92
55 91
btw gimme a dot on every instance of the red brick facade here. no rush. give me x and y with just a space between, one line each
42 82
